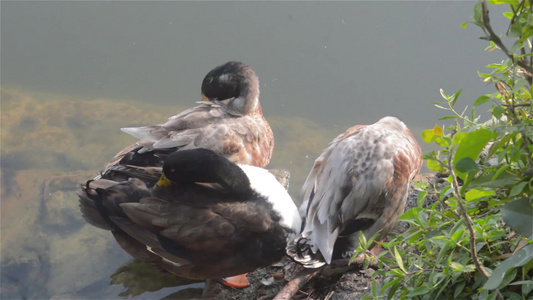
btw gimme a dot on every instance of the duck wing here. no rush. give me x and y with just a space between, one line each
195 232
209 126
329 184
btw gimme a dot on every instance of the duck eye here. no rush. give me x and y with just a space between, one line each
208 79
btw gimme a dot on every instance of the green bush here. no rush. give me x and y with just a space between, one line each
470 236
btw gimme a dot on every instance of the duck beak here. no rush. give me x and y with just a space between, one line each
163 182
204 98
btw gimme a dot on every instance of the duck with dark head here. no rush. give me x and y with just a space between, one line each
228 121
206 217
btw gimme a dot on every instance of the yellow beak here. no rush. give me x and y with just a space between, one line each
204 98
163 182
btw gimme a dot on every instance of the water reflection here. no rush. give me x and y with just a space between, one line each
143 280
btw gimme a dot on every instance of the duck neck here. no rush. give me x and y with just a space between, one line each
248 99
232 178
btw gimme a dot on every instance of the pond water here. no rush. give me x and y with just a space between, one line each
73 73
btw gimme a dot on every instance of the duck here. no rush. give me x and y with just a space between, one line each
359 184
205 218
228 120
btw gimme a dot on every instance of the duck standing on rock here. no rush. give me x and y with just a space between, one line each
206 217
228 121
360 183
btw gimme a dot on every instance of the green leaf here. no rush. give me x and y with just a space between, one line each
458 138
421 198
454 97
498 111
477 14
408 214
511 2
458 289
442 141
434 165
509 276
394 285
466 165
447 118
458 267
399 260
471 146
517 189
526 33
463 25
374 288
517 260
476 194
500 171
420 290
508 15
462 268
428 135
481 100
518 214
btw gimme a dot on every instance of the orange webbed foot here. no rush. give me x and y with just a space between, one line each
238 281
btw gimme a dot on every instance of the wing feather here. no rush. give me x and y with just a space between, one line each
209 126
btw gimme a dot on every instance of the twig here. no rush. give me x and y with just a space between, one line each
424 270
525 139
477 263
514 16
336 267
468 221
293 286
517 105
329 295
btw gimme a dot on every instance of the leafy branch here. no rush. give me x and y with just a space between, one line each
492 36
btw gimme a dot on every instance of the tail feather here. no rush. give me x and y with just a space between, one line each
89 209
149 134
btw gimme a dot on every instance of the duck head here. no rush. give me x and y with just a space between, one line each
204 166
233 85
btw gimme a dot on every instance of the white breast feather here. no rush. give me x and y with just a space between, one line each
266 185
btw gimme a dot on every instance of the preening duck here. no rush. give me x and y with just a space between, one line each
206 217
228 121
359 183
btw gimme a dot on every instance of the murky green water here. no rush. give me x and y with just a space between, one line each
74 73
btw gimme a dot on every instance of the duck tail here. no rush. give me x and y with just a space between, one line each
91 205
301 251
147 136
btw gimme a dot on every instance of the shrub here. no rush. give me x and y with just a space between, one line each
474 241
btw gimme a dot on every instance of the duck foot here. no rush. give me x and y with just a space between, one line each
238 281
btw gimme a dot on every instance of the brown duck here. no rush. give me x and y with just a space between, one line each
228 121
359 183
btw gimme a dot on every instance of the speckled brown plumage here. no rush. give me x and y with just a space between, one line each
359 183
228 121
